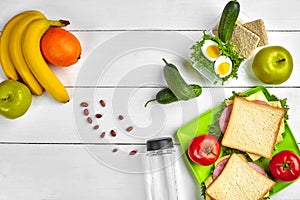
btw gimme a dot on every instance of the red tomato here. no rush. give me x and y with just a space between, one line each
285 166
204 149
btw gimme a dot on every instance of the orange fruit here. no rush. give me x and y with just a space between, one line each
60 47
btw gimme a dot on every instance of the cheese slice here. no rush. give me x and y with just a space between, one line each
257 96
207 182
282 125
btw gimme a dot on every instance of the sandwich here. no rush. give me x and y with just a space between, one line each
253 127
239 180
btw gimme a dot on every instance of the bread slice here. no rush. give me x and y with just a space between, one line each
245 41
253 127
258 27
239 181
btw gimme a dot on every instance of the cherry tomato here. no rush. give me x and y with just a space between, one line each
204 149
285 166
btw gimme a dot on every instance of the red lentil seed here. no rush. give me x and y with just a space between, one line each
102 103
96 127
98 115
121 117
129 128
84 104
102 135
86 112
133 152
89 120
113 133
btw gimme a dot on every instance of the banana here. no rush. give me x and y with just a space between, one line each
6 63
16 53
35 60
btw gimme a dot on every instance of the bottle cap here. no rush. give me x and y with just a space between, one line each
159 143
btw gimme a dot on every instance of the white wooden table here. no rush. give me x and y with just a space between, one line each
53 153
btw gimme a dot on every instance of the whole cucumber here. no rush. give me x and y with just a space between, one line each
176 83
228 19
166 96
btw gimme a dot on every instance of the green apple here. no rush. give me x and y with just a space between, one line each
273 65
15 99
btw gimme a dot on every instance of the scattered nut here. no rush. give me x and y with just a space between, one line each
113 133
102 135
96 127
84 104
121 117
98 115
129 128
133 152
89 120
86 112
115 150
102 103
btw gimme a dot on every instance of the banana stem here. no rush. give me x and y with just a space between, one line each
64 22
59 23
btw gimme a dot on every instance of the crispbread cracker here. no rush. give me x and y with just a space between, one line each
245 41
258 27
253 127
239 181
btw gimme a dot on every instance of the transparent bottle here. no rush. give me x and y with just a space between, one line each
161 169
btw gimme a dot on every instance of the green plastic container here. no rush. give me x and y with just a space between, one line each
200 125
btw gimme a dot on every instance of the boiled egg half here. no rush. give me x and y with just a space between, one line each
223 66
210 50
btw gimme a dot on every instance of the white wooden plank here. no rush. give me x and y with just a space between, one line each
137 14
48 121
109 60
138 56
74 172
57 165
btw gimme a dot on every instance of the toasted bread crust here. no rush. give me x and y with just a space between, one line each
253 127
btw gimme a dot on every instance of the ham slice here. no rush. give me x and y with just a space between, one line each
224 118
220 166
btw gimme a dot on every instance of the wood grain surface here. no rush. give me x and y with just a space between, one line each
53 153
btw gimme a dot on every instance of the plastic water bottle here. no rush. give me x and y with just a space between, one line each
161 169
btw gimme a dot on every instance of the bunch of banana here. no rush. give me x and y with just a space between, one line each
21 57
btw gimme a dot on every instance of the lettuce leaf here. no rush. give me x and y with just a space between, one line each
228 49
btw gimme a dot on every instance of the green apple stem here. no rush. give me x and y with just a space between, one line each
281 60
5 98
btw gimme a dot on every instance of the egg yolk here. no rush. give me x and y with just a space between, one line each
223 68
213 51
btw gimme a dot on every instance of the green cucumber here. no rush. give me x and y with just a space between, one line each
228 19
176 83
166 96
